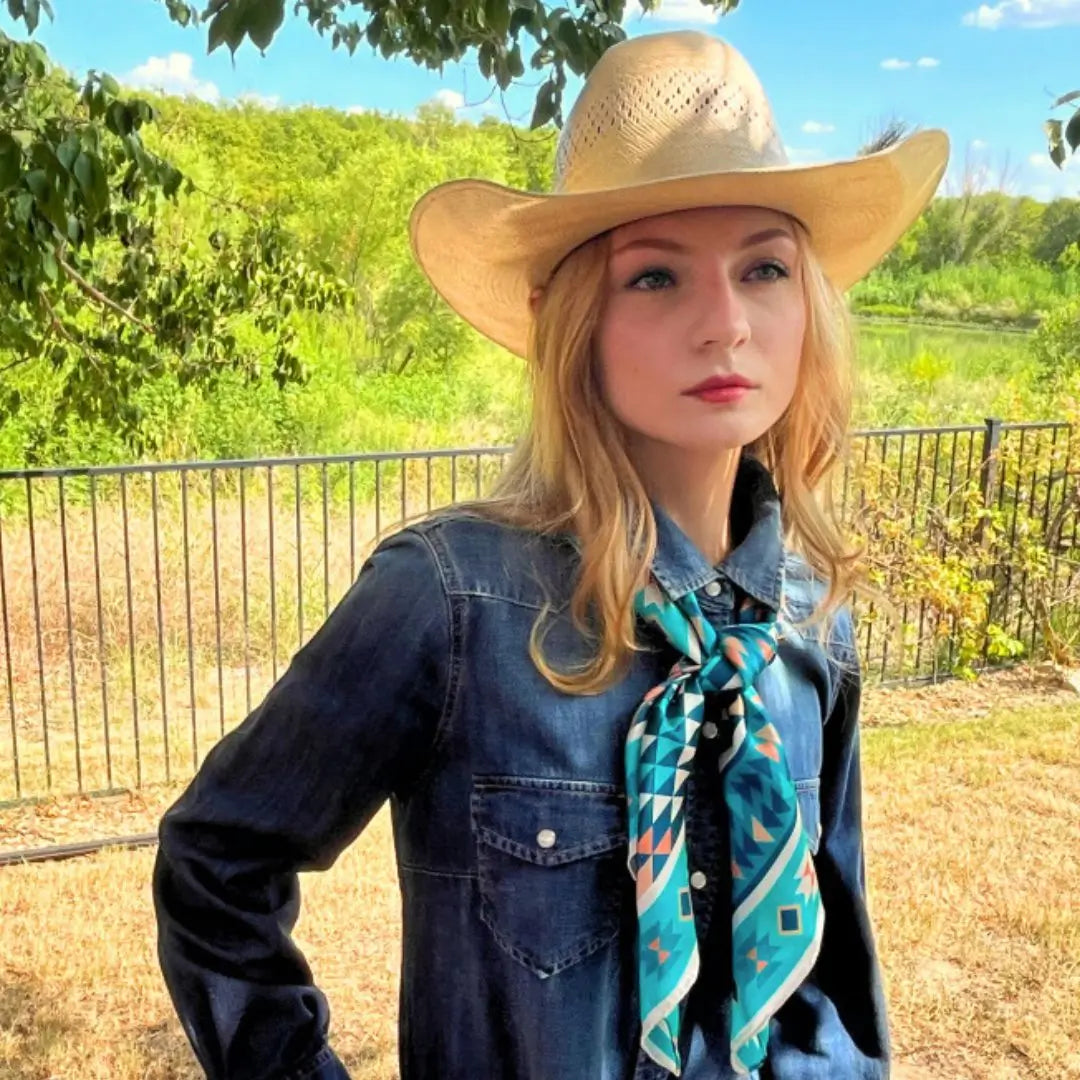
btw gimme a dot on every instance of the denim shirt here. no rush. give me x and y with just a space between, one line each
518 953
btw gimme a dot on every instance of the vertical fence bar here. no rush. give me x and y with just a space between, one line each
244 578
429 483
102 666
885 636
160 624
37 632
217 599
187 614
378 497
131 629
299 562
988 480
7 662
404 494
66 564
325 543
914 515
273 568
352 521
1031 514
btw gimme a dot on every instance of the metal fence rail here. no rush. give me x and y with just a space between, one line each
145 609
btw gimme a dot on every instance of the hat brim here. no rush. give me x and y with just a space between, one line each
484 246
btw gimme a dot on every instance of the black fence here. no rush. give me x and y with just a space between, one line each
144 610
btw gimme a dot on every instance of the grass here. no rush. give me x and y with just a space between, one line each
971 794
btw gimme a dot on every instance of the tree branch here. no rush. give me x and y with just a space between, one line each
100 297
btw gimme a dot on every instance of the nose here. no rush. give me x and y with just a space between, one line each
722 315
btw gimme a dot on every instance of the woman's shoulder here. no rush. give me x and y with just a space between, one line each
480 555
805 589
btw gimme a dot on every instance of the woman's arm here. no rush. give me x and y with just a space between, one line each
352 720
834 1027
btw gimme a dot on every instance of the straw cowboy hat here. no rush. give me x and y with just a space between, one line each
664 122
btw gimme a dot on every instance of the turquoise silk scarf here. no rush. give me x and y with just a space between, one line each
776 913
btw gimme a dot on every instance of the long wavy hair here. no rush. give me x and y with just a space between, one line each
570 472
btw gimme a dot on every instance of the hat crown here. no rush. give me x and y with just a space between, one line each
662 106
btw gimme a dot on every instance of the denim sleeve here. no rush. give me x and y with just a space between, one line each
834 1027
352 721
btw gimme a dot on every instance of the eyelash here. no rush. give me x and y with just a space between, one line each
769 264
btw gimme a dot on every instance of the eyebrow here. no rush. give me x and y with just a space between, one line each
660 244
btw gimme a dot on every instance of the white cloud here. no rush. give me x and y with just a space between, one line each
979 144
680 11
1028 14
172 74
356 110
928 62
450 98
815 127
893 64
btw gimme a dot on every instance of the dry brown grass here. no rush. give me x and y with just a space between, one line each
972 822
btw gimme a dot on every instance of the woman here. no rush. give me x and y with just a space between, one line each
614 706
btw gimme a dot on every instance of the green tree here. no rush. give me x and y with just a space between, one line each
89 285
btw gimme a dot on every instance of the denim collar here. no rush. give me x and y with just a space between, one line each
755 564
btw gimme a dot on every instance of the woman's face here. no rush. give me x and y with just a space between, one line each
693 295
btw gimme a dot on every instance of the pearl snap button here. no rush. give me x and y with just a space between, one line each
709 730
698 880
546 838
713 588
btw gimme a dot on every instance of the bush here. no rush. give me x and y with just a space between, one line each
1056 345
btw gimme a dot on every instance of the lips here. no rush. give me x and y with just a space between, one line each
721 382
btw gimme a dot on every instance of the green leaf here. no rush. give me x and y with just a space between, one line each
1055 145
10 161
514 62
91 178
68 151
264 22
226 28
545 105
497 16
1072 131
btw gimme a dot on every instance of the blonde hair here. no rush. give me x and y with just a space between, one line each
570 472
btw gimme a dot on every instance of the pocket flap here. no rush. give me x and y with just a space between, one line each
549 822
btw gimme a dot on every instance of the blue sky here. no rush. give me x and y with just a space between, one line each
985 72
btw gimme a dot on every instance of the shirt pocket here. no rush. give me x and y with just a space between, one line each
808 793
551 868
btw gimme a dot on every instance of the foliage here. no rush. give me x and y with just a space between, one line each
433 32
1062 132
1056 346
91 287
965 578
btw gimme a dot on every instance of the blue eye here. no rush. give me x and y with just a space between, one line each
655 278
770 271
